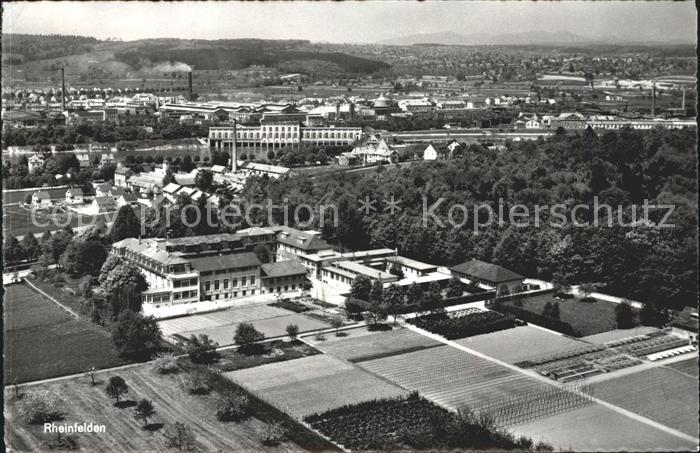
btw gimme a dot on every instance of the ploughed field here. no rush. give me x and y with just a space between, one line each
171 399
361 344
457 379
318 383
660 394
42 340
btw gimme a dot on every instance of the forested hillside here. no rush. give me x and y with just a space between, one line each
620 168
25 48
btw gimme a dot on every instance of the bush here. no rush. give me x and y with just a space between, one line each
246 335
40 407
292 331
198 383
201 349
232 408
465 325
165 364
62 443
290 305
271 434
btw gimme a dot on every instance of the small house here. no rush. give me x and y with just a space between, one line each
41 199
74 195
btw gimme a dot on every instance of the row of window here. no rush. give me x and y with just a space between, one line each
228 271
184 295
185 282
219 284
306 134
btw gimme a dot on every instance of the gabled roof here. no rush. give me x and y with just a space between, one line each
73 191
41 195
171 188
282 269
105 201
486 271
104 187
302 239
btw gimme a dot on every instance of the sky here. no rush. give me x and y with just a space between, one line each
351 21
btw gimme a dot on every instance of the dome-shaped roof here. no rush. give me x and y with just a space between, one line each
382 101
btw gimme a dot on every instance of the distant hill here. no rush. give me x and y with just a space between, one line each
523 38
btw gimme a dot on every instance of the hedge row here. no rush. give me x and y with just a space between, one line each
534 318
465 326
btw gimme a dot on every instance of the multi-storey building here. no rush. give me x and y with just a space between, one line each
275 135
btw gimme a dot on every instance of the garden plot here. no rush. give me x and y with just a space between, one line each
580 363
372 345
598 428
457 379
660 394
520 343
618 334
313 384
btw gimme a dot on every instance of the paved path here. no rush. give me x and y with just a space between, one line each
546 380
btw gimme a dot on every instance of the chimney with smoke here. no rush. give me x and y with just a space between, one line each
189 86
63 90
653 99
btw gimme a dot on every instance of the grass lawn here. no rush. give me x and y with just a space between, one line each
689 367
587 318
273 351
66 294
313 384
17 221
661 394
360 344
42 340
172 402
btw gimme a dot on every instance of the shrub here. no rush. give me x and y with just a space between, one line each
291 305
246 335
458 325
271 434
232 408
201 349
198 383
40 407
165 364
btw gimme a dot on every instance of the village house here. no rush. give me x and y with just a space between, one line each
74 195
479 272
36 162
41 199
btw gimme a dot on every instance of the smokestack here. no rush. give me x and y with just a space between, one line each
234 154
653 100
337 110
63 90
683 101
189 85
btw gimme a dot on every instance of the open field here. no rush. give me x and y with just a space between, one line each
520 343
587 318
618 334
42 340
221 325
84 403
361 344
597 428
457 379
689 367
313 384
18 221
660 394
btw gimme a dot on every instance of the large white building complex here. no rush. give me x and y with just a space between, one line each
280 134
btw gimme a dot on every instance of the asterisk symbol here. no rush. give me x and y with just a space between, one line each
392 205
367 205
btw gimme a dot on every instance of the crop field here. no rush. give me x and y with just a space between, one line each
457 379
689 366
587 318
83 402
520 343
42 340
619 334
318 383
660 394
221 325
597 428
464 323
371 345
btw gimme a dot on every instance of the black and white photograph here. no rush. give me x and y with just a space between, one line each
350 226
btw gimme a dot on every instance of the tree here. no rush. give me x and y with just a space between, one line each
202 349
336 322
199 383
547 310
263 253
187 165
246 335
169 178
116 388
376 293
431 302
395 269
232 408
135 335
12 251
393 298
650 315
39 407
271 434
144 409
454 287
361 287
204 180
122 283
587 289
414 295
554 314
90 372
179 436
354 307
292 331
126 224
31 246
84 257
624 316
